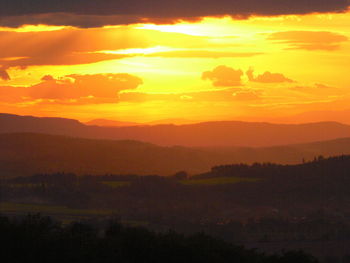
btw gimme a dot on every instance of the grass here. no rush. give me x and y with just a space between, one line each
219 181
116 184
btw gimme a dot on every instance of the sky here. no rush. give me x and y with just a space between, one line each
142 61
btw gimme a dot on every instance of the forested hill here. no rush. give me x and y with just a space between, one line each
24 154
320 166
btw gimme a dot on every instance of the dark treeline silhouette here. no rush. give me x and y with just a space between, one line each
40 239
337 164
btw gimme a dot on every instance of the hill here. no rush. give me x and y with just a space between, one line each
28 153
23 154
111 123
221 133
266 206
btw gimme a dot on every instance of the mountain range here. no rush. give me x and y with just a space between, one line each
206 134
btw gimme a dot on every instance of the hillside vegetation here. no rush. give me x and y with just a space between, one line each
25 154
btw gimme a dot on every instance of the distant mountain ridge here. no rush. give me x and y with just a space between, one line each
25 154
220 133
111 123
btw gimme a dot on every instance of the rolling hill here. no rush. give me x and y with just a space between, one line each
208 134
23 154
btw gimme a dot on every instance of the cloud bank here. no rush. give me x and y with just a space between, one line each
73 89
91 13
309 40
223 76
267 77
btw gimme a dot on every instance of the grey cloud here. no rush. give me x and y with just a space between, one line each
92 13
3 74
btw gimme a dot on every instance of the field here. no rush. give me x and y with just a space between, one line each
60 212
116 184
219 181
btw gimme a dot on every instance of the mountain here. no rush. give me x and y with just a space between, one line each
220 133
111 123
15 123
29 153
176 121
342 116
23 154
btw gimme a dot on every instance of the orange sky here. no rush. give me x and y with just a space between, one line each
291 68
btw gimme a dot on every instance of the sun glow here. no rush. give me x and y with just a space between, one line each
142 51
34 28
208 27
296 63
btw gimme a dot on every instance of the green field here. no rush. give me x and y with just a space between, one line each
218 181
64 213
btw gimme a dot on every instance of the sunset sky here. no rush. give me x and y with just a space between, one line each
141 61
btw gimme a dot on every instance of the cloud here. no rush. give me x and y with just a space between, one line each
73 89
84 46
3 74
47 78
89 13
309 40
223 76
9 94
246 95
267 77
23 49
63 59
318 90
68 19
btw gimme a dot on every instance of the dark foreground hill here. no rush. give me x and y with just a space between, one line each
39 239
24 154
221 133
267 206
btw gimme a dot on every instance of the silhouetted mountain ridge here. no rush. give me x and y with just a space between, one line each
51 125
220 133
111 123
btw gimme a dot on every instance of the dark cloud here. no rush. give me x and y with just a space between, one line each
92 13
68 19
309 40
47 78
73 89
267 77
3 74
223 76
